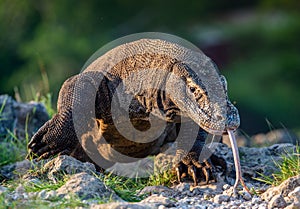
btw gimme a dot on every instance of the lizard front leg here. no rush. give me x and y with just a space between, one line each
198 169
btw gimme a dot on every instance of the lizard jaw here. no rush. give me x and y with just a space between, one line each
218 132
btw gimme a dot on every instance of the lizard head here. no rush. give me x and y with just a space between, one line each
207 104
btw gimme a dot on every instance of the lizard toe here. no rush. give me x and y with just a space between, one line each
205 170
181 171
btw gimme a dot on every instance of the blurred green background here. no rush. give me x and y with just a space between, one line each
255 44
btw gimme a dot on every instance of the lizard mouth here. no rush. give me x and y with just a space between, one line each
219 132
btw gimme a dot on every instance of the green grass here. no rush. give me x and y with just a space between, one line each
2 108
72 202
47 101
128 188
12 149
45 185
288 167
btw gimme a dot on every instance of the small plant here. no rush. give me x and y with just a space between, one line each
166 178
288 167
47 101
2 108
12 149
127 188
44 185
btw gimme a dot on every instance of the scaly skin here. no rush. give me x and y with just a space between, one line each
188 97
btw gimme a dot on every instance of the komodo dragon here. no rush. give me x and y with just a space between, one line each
194 92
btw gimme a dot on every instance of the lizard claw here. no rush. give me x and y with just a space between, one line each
51 139
203 171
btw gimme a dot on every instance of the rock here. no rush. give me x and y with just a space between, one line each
182 187
122 206
207 195
226 186
47 195
65 164
15 170
221 198
280 149
155 190
295 194
253 161
256 200
277 201
159 200
14 116
2 189
246 195
86 186
293 206
35 112
267 195
284 188
7 115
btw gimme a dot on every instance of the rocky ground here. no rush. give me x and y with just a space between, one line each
85 183
64 182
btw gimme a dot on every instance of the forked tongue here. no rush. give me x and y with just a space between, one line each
237 164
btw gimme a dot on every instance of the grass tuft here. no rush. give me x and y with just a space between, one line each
288 167
128 188
47 101
12 149
45 185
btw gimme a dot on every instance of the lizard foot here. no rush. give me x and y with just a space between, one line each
200 172
51 139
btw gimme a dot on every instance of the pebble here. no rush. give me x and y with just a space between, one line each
263 206
161 207
221 198
246 195
197 199
207 195
226 186
277 202
256 200
183 187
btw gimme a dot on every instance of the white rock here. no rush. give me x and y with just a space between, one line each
226 186
42 194
295 194
262 206
221 198
256 200
161 207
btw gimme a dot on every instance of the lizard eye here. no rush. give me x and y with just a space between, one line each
193 89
